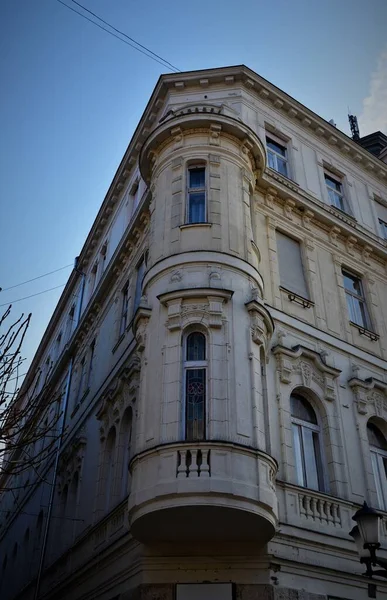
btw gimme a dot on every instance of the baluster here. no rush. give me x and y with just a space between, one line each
308 507
301 499
315 512
205 466
193 470
330 513
182 466
336 515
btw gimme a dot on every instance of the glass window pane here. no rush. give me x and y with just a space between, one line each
272 160
195 403
375 437
375 469
196 346
276 147
352 284
196 209
197 178
301 409
282 166
310 459
297 442
332 183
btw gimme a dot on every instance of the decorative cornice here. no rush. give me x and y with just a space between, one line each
368 393
193 305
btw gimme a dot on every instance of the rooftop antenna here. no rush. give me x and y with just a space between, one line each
354 127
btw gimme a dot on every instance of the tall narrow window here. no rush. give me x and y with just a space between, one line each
381 209
290 265
91 364
140 276
306 439
277 156
125 448
335 191
81 380
58 344
102 261
195 375
356 303
196 201
93 278
109 467
124 308
378 448
70 323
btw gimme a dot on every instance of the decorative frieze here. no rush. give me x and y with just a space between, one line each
199 304
309 366
120 395
261 323
370 396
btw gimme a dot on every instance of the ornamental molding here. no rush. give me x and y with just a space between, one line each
370 396
122 394
261 323
204 305
140 323
71 460
310 367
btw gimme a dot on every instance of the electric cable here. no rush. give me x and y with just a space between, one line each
125 35
118 38
32 295
11 287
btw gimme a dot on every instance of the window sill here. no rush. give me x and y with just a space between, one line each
293 297
193 225
363 331
283 178
341 213
78 404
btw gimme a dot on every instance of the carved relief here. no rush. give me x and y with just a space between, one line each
370 395
204 305
71 460
309 365
120 395
261 323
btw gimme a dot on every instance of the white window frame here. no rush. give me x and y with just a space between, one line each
379 469
383 227
189 365
282 144
339 194
301 456
199 190
125 299
352 296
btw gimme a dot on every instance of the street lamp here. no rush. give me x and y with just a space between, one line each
366 534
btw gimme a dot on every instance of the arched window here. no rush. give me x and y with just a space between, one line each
125 449
109 466
195 383
378 448
307 448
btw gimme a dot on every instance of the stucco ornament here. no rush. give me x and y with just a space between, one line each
71 460
261 323
308 367
122 394
204 305
370 395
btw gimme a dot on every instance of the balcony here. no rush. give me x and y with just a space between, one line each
203 491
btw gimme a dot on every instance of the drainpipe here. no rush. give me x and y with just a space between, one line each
60 442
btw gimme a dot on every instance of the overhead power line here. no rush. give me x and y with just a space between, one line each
32 295
11 287
147 52
125 35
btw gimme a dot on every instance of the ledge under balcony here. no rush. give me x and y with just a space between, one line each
212 490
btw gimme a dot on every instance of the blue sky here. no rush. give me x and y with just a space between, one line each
72 96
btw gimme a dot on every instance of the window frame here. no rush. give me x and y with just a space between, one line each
124 313
276 155
81 380
301 248
196 190
361 298
337 180
383 228
140 273
300 455
379 465
188 365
